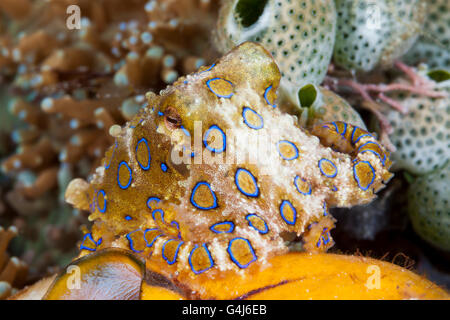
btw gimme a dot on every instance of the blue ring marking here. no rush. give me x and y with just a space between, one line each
329 161
345 129
244 111
209 256
177 225
176 251
134 127
152 199
220 96
335 126
334 188
242 266
357 178
361 136
374 152
89 236
265 96
160 113
149 155
154 239
93 203
318 242
186 132
230 224
112 155
160 211
325 209
129 179
224 139
290 143
128 218
214 205
164 167
266 229
298 189
254 194
370 142
104 201
327 240
131 241
284 203
92 206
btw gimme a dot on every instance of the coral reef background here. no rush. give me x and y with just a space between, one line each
61 90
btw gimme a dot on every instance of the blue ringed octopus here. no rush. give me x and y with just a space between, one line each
185 205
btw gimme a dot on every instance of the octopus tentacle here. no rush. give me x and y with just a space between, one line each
370 160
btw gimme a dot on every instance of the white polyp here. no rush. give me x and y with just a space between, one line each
243 34
132 40
17 163
47 104
149 6
169 61
121 79
74 123
171 76
146 37
115 130
63 155
132 56
16 55
155 52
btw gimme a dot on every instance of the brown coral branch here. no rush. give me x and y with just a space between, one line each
17 9
30 156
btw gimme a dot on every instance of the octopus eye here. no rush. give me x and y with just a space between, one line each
171 118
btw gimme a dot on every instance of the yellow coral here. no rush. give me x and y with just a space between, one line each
315 276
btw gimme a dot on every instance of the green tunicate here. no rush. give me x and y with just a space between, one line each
429 209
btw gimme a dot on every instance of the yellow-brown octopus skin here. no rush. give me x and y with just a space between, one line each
221 210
